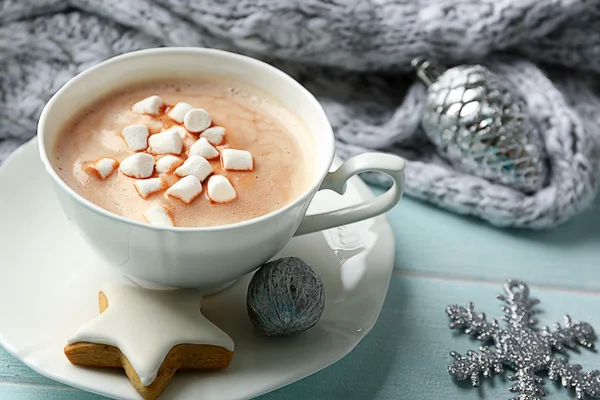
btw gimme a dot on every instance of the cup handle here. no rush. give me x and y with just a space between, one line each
391 165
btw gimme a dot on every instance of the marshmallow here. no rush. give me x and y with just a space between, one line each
167 142
186 189
219 189
146 187
150 105
136 137
178 112
204 149
197 166
196 120
168 163
214 135
158 215
139 165
181 131
104 167
236 160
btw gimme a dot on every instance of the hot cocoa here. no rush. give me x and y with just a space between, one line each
207 152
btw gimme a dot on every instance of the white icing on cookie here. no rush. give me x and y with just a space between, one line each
145 324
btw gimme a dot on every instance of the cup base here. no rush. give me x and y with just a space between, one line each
206 291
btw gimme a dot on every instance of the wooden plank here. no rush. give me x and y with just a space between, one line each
14 371
434 242
26 392
406 354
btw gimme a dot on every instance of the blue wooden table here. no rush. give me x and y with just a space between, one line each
440 259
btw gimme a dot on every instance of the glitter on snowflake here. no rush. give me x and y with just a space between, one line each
522 348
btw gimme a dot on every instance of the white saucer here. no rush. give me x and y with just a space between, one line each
50 281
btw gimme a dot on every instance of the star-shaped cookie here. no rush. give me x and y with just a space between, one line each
151 334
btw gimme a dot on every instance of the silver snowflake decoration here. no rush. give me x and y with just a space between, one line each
522 348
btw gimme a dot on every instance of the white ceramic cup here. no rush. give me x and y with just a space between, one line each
212 256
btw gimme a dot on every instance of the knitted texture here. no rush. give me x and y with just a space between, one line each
354 55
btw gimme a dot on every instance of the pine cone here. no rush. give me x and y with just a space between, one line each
483 130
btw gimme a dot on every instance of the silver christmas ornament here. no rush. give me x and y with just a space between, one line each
522 348
480 127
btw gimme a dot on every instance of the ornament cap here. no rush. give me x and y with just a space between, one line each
427 70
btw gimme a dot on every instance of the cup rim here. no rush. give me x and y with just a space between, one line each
197 50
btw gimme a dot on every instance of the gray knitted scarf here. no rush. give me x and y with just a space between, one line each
354 55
